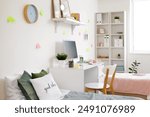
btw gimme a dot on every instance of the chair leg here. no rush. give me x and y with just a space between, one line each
86 90
112 90
104 91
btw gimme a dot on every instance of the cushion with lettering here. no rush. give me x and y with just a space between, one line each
26 87
38 75
46 88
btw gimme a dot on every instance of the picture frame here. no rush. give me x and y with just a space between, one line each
56 9
65 8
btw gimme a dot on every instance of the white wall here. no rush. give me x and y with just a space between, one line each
18 40
117 5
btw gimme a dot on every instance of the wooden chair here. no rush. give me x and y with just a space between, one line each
107 84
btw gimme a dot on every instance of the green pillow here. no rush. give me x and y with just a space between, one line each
38 75
26 87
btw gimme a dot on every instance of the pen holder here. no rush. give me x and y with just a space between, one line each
71 64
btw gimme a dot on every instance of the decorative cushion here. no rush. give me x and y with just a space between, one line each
13 92
46 88
26 87
41 74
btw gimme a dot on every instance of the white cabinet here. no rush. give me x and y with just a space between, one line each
110 38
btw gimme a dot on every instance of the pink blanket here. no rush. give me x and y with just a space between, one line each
136 84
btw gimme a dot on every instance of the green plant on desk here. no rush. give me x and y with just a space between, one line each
133 68
61 56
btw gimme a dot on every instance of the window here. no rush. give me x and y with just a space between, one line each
140 26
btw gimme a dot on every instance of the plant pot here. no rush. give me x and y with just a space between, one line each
62 63
117 20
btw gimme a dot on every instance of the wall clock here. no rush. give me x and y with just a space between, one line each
30 13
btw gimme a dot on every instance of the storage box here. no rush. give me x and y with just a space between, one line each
118 42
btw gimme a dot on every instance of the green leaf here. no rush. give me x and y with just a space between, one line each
132 65
10 19
130 68
41 12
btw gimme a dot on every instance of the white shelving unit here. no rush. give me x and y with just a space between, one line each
110 39
69 21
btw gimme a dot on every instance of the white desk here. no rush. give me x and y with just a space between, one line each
73 78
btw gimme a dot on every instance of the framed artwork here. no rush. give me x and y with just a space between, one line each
56 8
65 9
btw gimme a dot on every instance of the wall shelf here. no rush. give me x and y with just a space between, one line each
69 21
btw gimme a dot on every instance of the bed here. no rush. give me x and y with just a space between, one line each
68 95
138 84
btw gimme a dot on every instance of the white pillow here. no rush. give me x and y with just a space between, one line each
46 88
13 92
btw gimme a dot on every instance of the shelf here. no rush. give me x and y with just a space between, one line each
117 23
106 24
116 59
102 24
102 47
103 59
68 21
117 47
116 34
101 34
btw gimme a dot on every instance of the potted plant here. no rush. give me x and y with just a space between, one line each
133 68
116 19
61 57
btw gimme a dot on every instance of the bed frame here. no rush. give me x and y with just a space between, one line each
2 89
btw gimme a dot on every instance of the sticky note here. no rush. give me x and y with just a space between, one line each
10 19
38 46
41 12
87 49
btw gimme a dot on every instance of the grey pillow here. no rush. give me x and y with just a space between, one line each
26 87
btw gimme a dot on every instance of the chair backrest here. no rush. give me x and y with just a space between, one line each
112 72
105 81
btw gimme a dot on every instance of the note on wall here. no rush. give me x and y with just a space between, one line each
10 19
88 49
41 12
38 46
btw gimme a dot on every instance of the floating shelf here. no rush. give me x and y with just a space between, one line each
69 21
